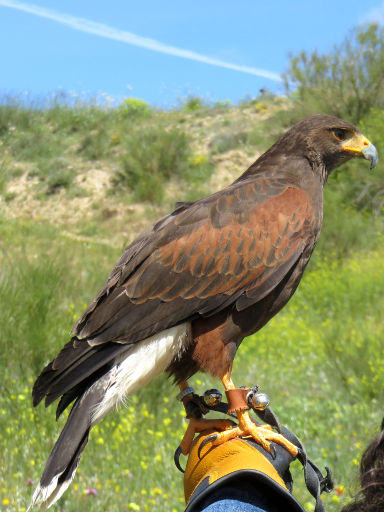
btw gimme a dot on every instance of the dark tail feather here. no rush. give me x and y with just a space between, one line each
57 379
66 358
64 458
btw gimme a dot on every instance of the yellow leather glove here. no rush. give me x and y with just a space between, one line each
241 464
240 469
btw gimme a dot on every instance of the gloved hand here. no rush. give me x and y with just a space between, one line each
239 469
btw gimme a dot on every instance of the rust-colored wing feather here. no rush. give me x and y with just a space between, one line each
239 256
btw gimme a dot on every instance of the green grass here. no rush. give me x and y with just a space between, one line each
319 360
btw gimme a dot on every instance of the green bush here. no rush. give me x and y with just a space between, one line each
347 82
96 143
151 156
193 103
134 107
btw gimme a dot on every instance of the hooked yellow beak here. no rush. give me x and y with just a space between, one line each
361 146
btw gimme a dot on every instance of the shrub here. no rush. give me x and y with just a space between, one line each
96 143
193 103
347 82
152 156
134 107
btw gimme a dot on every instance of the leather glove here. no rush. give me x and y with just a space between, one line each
238 465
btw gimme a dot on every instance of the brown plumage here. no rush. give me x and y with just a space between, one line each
220 267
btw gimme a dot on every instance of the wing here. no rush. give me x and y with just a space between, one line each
233 247
228 250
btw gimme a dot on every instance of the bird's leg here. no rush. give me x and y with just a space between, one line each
262 434
196 422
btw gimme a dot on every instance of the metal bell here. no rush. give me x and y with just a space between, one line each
212 397
259 401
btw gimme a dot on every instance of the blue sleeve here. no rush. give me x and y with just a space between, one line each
236 500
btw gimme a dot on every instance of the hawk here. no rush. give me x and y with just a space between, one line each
187 291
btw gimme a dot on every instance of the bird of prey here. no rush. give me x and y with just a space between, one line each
187 291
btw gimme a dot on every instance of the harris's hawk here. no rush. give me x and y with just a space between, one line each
188 290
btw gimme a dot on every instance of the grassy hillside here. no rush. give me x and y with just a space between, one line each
77 183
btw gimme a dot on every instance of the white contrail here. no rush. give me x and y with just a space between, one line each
99 29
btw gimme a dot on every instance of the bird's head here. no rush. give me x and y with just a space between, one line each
332 141
326 142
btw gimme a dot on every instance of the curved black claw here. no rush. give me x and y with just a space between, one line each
272 452
176 458
207 440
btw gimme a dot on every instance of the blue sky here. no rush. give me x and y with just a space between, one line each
164 51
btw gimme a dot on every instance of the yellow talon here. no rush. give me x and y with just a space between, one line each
261 434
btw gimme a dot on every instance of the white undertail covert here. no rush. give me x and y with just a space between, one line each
145 361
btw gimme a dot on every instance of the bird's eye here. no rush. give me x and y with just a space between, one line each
339 134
